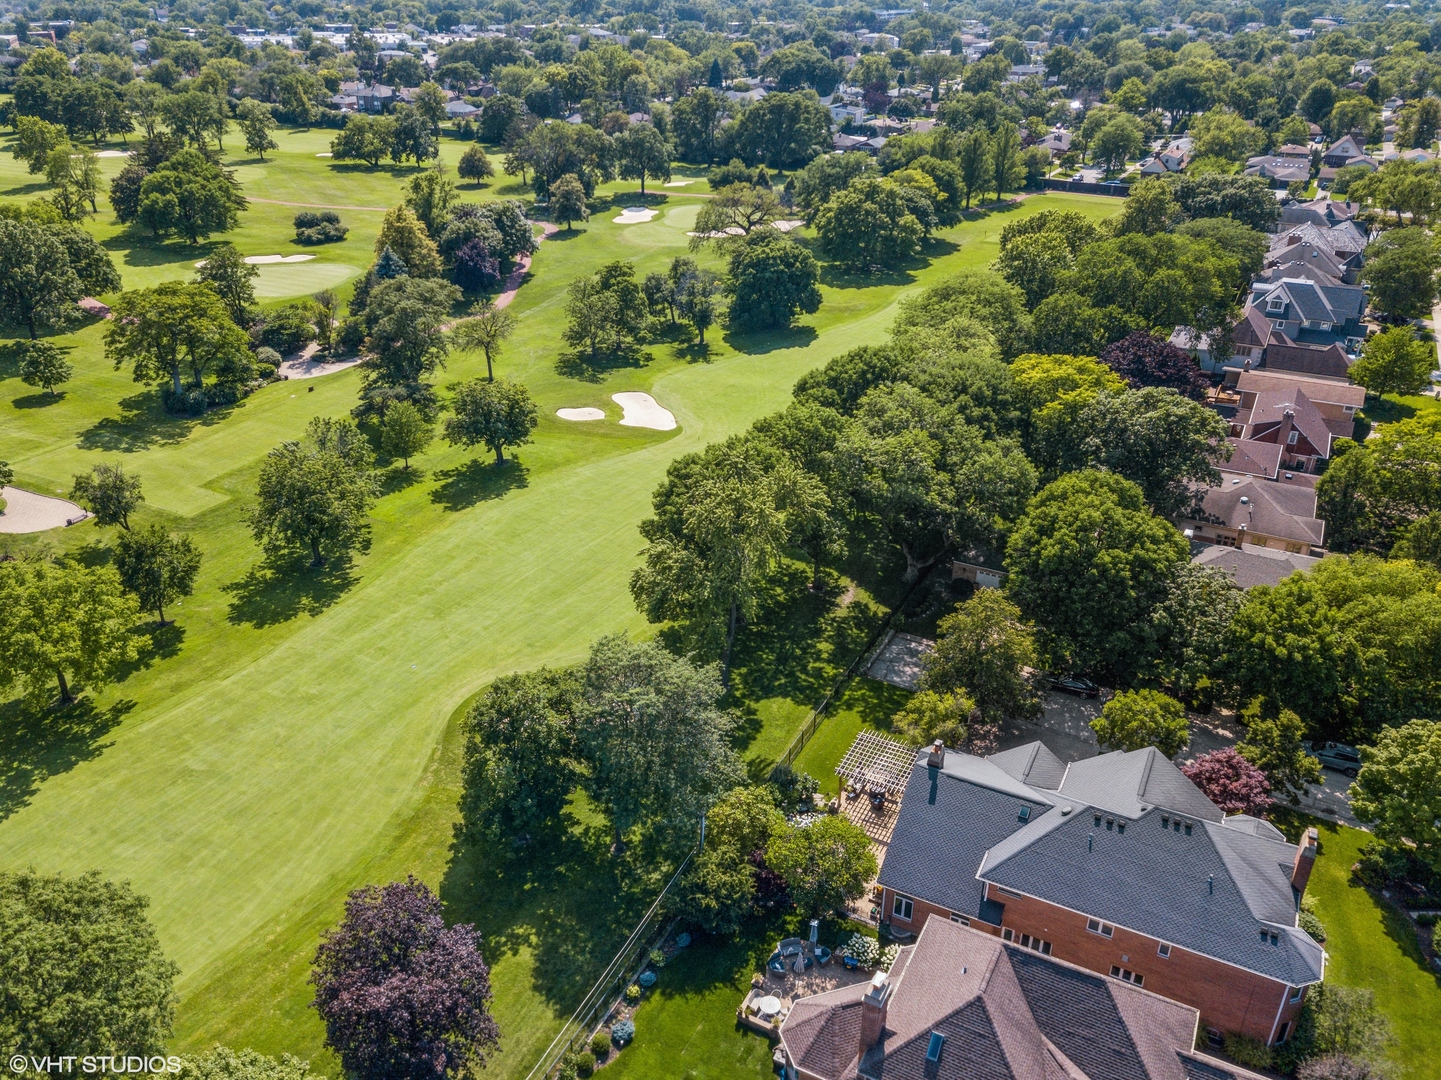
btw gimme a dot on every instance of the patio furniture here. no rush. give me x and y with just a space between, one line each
769 1007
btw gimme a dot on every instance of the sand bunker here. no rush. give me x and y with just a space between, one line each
734 230
641 410
261 260
580 414
27 512
678 183
112 153
323 155
634 215
786 226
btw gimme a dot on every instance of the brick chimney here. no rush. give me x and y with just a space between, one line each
1304 861
1288 421
873 1011
936 756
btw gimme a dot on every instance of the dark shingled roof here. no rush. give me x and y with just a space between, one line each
1005 1013
1254 566
1032 764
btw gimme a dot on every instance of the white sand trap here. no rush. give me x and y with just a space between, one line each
641 410
303 365
112 153
580 414
786 226
733 230
27 512
678 183
634 215
323 155
261 260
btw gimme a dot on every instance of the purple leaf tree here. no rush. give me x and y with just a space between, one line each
1143 360
1230 781
403 997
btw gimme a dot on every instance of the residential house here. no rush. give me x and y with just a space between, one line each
1279 411
1115 863
959 1004
1335 399
1248 511
1173 159
1348 150
1312 310
368 97
1279 171
460 109
1057 141
1252 566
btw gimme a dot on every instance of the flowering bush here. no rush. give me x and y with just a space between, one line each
888 957
865 950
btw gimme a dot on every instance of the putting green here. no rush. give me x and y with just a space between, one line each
300 279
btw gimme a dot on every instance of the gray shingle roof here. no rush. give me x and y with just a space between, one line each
1132 782
1270 509
1032 764
1254 566
1209 892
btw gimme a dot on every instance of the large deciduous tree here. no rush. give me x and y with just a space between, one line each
656 742
1088 565
62 627
403 996
45 269
157 567
985 649
870 223
785 131
1398 791
496 413
1136 719
1394 362
643 153
825 865
174 328
315 496
1143 359
770 280
109 493
1276 746
1401 271
82 971
227 272
190 195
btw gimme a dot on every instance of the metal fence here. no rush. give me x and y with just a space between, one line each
1086 187
619 973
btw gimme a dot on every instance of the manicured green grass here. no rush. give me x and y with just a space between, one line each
1369 944
286 741
865 705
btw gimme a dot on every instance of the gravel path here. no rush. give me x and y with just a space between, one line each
28 512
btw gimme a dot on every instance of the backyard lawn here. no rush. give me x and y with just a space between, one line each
295 734
1369 944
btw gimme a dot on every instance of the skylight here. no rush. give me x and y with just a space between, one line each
933 1051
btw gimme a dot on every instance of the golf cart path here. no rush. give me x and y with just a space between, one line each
522 265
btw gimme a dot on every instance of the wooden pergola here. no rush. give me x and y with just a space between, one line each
876 763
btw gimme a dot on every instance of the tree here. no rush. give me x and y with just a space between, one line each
1088 564
1150 208
869 224
655 741
315 496
606 311
735 210
1034 264
164 330
1006 169
567 200
364 138
223 1063
495 412
192 196
430 196
43 364
82 971
520 756
1401 271
695 120
405 235
405 432
1223 134
643 152
474 165
74 176
157 567
826 176
985 649
1120 140
1143 359
784 131
930 715
1192 627
194 116
1394 362
973 158
488 329
1247 199
45 269
430 103
695 299
61 625
125 192
1398 790
1349 1022
1136 719
227 272
826 864
1230 781
403 996
771 279
257 121
1344 1067
35 139
952 306
413 137
719 891
109 493
1274 745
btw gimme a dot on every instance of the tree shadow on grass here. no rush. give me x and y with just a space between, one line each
142 423
276 592
398 479
156 643
758 342
577 365
478 480
568 898
20 190
38 744
38 401
151 251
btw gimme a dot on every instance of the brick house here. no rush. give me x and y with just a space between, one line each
959 1004
1250 511
1117 864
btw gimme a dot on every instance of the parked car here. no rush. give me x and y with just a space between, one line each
1075 684
1340 757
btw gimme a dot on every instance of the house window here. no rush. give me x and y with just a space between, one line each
1276 303
1120 826
1096 926
1267 935
1026 941
1126 975
903 908
960 919
1097 820
1294 996
1285 1030
1279 324
1163 951
1215 1038
1291 438
1025 814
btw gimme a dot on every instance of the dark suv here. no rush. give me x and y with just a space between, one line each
1344 759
